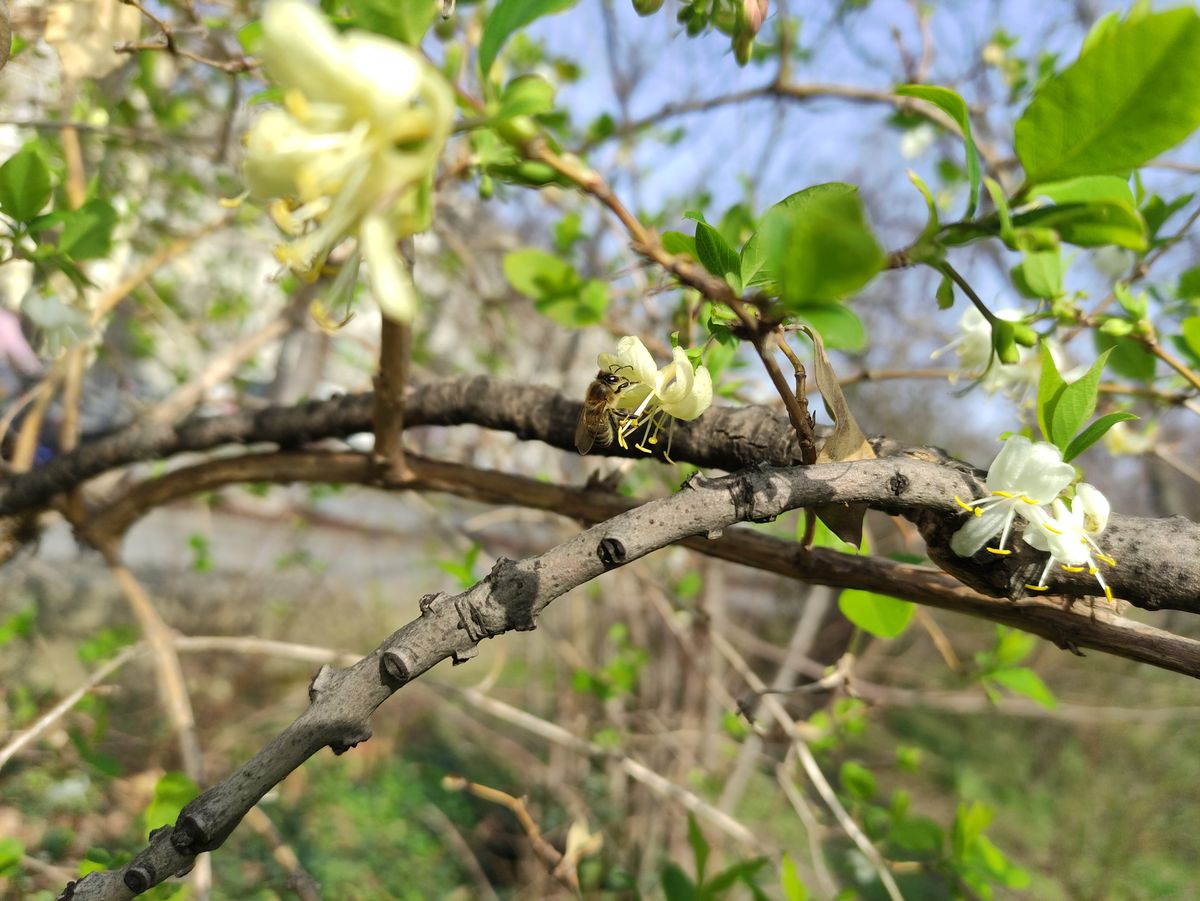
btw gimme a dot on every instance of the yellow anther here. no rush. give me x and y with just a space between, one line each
1030 500
1007 494
1072 569
1050 528
1108 594
1037 587
644 450
653 439
1003 552
970 509
1107 559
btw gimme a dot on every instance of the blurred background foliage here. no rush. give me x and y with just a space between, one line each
982 763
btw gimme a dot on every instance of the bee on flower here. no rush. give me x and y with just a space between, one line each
649 399
352 151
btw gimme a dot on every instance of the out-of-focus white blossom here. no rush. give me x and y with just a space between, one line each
1122 439
916 141
352 151
1069 534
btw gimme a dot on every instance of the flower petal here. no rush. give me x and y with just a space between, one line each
390 282
1094 506
699 400
978 529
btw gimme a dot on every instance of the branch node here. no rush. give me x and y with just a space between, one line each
155 833
458 657
138 878
321 682
395 666
426 602
354 738
191 834
611 552
68 891
898 484
185 869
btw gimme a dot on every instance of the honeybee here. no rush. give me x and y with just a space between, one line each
596 420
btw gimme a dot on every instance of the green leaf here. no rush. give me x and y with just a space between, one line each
1190 329
527 95
1094 433
676 884
920 837
857 780
789 880
1189 284
24 184
955 107
171 793
969 823
878 614
536 273
1024 681
1129 358
508 17
19 625
87 232
678 243
1088 188
1063 408
1092 224
699 845
404 20
742 871
717 256
581 308
756 271
820 251
1133 93
1040 274
11 852
945 293
838 325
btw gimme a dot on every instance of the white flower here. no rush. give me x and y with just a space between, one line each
352 151
973 346
655 397
1069 534
916 141
1024 477
61 325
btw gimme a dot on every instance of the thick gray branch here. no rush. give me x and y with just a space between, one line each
511 598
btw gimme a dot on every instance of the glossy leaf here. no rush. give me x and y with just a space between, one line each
717 256
24 184
508 17
789 880
756 269
1094 432
820 251
404 20
838 324
87 231
1133 93
878 614
1063 408
955 107
1128 357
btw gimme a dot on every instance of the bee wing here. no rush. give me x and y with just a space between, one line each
584 438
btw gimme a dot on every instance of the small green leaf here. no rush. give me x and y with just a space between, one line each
87 232
1063 408
1024 681
24 184
1088 188
1189 284
536 273
1190 329
969 823
837 324
820 251
789 880
700 847
1128 357
920 837
679 243
19 624
11 852
404 20
717 256
527 95
945 293
956 108
171 793
857 780
1092 224
931 213
1040 274
677 886
756 269
1094 433
1133 93
510 16
742 871
878 614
